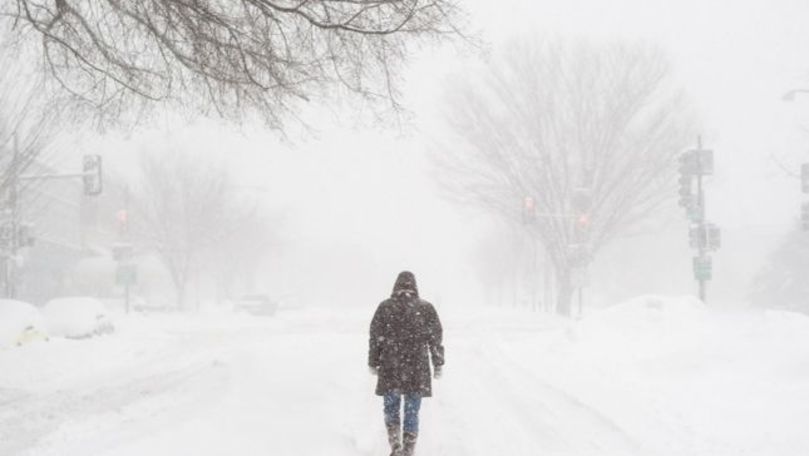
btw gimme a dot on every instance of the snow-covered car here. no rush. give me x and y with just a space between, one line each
256 305
151 305
20 323
77 318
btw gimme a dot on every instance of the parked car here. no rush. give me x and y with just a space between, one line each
77 318
256 304
20 323
151 305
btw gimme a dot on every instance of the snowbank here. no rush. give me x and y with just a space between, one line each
77 317
15 318
643 328
650 328
687 379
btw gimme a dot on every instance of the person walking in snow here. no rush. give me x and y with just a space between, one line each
405 335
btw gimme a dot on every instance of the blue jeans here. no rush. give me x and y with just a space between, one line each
412 404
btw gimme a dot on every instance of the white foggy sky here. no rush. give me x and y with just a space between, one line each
366 197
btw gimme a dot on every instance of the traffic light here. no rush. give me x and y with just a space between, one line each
687 172
713 237
689 165
581 228
529 210
696 238
805 216
122 217
697 162
91 170
582 205
805 178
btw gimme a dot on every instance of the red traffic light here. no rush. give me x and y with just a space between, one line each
583 220
529 204
121 216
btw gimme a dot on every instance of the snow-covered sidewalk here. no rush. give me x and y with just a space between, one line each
651 377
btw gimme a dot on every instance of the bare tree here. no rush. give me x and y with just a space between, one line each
227 54
27 126
233 263
27 129
582 137
184 208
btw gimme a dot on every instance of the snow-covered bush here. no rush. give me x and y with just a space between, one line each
77 317
20 322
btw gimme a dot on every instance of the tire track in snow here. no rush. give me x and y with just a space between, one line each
471 417
579 425
490 403
52 423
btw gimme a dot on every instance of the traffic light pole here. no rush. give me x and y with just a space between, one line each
704 237
10 269
703 284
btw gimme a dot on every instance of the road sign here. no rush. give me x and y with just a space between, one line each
695 212
689 166
126 274
705 236
703 268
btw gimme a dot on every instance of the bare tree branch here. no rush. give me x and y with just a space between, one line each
228 55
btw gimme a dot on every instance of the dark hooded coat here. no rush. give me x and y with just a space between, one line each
405 335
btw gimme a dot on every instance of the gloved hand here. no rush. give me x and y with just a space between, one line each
437 372
373 370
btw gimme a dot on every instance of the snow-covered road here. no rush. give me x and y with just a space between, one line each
297 385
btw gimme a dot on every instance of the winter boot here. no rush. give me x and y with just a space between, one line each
395 439
409 439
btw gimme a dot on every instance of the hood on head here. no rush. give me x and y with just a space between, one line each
405 283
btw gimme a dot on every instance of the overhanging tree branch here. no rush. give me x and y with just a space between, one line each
231 55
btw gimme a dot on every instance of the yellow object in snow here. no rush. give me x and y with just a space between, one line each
30 334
